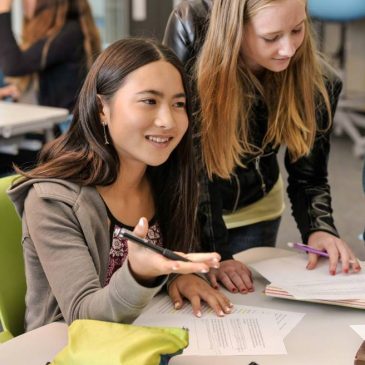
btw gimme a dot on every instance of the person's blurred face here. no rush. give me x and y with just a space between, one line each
29 7
273 35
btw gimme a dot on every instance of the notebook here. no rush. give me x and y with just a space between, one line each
280 267
274 291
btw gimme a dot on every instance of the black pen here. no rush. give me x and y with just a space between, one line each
145 243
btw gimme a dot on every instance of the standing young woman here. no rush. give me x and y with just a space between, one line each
260 84
126 161
59 43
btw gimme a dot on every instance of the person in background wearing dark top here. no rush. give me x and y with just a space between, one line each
260 84
126 161
59 43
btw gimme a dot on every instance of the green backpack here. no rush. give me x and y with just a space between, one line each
93 342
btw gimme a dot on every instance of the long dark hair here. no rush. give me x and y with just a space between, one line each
81 156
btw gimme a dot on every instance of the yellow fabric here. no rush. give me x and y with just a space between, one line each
93 342
269 207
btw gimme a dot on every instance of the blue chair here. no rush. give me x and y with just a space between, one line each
349 117
337 10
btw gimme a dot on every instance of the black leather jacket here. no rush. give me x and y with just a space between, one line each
308 187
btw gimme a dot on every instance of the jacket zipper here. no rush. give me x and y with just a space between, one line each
263 185
238 192
257 166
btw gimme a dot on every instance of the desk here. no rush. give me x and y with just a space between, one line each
323 337
17 118
35 347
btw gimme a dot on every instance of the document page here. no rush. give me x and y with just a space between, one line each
359 329
291 275
246 331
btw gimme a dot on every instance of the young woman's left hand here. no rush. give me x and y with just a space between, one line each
233 275
337 249
196 289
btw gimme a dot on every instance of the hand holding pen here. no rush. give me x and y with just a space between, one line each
148 261
336 250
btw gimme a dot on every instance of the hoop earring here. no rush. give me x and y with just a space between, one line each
105 135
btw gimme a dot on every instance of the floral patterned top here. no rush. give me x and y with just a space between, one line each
119 245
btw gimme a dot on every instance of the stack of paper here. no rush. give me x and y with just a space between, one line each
290 279
246 331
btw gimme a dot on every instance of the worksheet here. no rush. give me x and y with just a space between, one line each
246 331
291 275
359 329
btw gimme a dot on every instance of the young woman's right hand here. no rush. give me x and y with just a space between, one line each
146 264
9 91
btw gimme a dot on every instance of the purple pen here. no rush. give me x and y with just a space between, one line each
306 248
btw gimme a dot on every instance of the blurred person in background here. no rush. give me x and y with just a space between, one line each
58 45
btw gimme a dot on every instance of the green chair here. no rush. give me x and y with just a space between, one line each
12 276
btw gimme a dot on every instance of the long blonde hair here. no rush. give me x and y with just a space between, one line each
227 91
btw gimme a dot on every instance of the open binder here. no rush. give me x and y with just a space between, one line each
254 256
274 291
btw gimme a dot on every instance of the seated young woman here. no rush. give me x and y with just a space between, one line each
126 161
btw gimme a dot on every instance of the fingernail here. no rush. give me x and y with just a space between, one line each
230 304
175 268
177 305
216 287
227 309
243 291
204 271
333 272
216 266
199 314
220 314
234 290
141 222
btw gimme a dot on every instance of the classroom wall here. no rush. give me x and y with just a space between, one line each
355 54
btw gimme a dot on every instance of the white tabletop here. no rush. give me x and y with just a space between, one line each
17 118
322 337
35 347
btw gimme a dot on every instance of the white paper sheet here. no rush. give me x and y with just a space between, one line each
290 274
246 331
359 329
285 321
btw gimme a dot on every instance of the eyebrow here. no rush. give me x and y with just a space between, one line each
160 94
272 33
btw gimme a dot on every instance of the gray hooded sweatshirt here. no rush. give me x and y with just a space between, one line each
66 248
